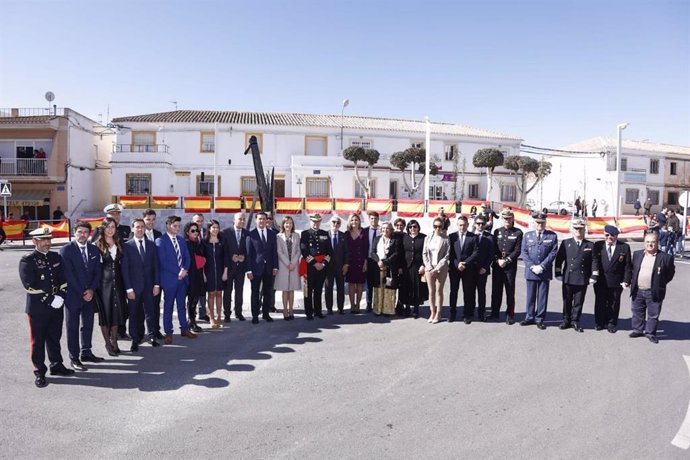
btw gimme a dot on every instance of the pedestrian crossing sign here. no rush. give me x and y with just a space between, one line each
6 189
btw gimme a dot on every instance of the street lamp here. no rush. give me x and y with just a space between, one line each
346 102
616 195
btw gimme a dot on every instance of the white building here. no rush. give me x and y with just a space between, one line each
658 171
173 153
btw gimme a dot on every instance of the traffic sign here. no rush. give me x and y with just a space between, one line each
6 189
684 201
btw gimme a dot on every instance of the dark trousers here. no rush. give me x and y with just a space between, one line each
312 301
607 305
371 280
643 304
73 314
335 280
481 294
537 294
192 301
573 299
262 292
501 279
235 281
140 310
468 283
46 331
155 326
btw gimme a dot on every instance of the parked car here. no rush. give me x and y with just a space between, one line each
560 207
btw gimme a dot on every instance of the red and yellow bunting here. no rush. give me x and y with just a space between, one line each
595 225
629 224
466 208
287 205
14 229
318 205
228 204
59 230
447 205
248 203
93 221
348 205
558 224
135 201
382 206
164 201
410 208
522 217
197 204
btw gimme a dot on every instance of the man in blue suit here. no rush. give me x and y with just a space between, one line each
82 267
142 281
174 261
262 267
539 249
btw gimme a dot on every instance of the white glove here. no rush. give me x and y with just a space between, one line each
57 301
560 278
537 269
625 285
592 281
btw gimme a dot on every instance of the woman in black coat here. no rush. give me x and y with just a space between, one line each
386 251
413 292
197 281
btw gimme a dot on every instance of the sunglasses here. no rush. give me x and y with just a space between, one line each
607 235
414 226
480 223
437 226
194 231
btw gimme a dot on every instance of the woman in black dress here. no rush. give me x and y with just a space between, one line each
197 283
216 273
111 298
413 291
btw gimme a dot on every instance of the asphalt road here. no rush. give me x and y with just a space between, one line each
359 387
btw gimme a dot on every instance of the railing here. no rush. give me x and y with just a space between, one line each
31 112
139 148
23 167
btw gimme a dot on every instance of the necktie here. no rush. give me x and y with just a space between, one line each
462 241
610 251
578 243
263 236
142 251
238 235
539 237
177 251
335 241
83 256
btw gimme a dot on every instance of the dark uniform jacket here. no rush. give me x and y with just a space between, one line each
611 273
664 269
43 277
485 252
313 243
574 263
393 260
507 244
539 253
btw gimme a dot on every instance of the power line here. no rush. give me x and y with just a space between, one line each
559 150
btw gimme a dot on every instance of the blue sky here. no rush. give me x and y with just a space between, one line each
553 72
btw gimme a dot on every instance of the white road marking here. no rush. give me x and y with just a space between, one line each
682 438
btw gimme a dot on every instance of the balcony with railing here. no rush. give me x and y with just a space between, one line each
23 167
141 153
16 112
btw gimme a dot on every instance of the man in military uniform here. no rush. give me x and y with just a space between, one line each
316 248
114 210
574 269
45 284
507 246
539 248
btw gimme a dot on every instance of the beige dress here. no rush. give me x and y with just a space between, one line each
288 253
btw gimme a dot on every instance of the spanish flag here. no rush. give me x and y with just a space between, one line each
631 224
287 205
94 222
558 224
248 203
595 225
164 201
522 217
14 229
410 208
348 205
135 201
382 206
197 204
466 208
447 205
59 230
228 204
318 205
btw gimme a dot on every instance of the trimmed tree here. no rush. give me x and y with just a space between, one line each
528 171
368 156
488 158
415 158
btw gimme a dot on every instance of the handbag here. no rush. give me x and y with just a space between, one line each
200 261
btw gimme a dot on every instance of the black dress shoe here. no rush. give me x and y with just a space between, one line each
483 319
240 317
78 366
369 308
154 343
340 311
467 320
159 336
134 347
267 318
330 312
196 328
41 381
60 369
226 319
564 325
91 358
205 318
526 322
541 326
255 320
319 315
612 329
310 318
509 320
635 334
123 336
652 338
577 327
598 328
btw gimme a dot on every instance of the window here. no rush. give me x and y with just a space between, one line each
436 192
259 140
672 198
359 191
315 146
450 151
143 141
204 185
364 143
631 195
472 190
317 187
674 168
624 164
208 142
393 189
508 192
653 195
654 167
248 185
417 144
138 184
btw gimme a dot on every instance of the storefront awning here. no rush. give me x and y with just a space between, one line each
28 198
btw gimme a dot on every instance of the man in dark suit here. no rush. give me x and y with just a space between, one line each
611 272
539 249
82 266
485 257
42 276
464 252
262 267
652 270
149 216
234 240
335 278
507 246
372 232
174 261
574 269
142 282
316 249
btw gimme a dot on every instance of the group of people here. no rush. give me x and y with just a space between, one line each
393 268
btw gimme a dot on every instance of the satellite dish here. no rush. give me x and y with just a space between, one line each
50 96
